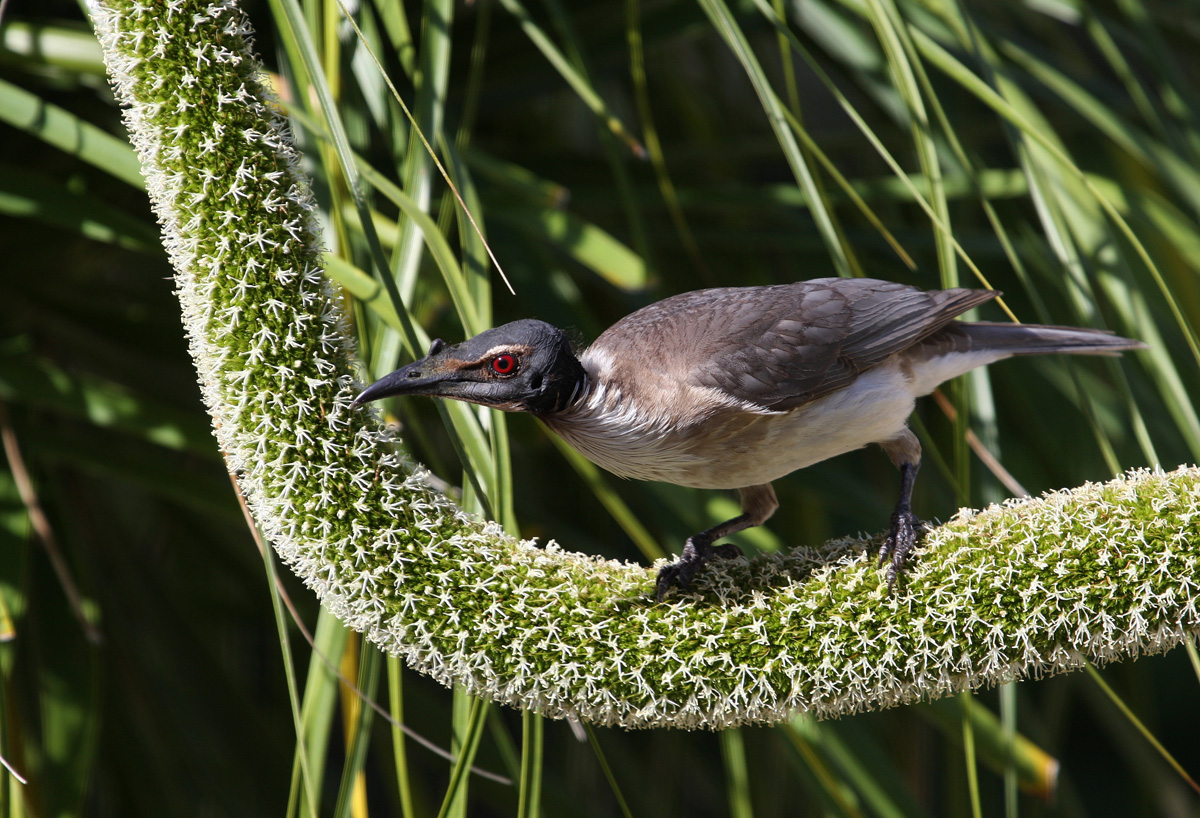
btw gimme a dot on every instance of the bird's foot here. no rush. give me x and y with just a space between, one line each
901 539
695 554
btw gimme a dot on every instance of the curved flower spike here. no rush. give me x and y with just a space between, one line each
1031 588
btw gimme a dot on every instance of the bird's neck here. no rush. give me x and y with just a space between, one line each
565 384
596 398
608 424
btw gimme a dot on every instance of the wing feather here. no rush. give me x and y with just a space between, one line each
780 347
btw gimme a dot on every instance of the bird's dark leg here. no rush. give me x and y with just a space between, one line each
905 452
758 504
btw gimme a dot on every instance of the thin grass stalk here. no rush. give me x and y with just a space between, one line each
579 84
399 747
352 794
842 254
737 774
613 154
432 80
529 803
321 689
306 775
836 795
654 151
468 732
1008 724
840 770
972 768
618 794
1142 729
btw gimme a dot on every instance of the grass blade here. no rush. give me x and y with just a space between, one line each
352 796
608 773
64 130
529 802
431 81
582 88
399 749
320 703
737 774
1141 728
31 194
63 47
723 19
455 801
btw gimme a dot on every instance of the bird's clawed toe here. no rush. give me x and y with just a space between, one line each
676 575
901 540
679 574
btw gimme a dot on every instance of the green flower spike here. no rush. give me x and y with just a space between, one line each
1027 589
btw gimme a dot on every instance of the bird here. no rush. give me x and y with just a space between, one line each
735 387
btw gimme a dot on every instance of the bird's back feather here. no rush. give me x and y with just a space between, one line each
779 347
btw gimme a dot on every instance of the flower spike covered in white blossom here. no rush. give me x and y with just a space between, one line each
1030 588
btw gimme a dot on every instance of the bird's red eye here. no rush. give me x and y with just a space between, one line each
504 364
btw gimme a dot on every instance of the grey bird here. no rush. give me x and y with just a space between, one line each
734 387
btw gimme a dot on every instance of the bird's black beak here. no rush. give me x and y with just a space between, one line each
426 376
408 380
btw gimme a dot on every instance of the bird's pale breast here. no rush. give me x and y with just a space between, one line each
650 429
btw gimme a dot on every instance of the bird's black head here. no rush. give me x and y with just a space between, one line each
525 366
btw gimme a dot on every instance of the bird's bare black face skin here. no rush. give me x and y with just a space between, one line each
525 366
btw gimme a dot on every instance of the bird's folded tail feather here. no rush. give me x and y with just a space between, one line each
1040 339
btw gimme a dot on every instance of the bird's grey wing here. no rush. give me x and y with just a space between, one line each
781 347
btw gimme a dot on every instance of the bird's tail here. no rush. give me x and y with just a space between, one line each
1039 339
